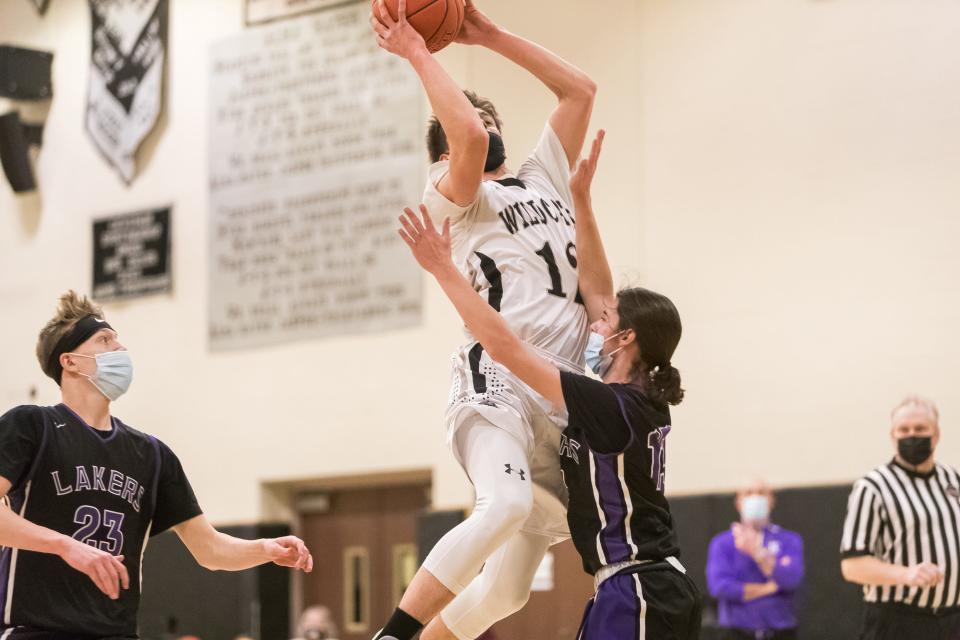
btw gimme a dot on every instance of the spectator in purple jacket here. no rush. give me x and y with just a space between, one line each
754 571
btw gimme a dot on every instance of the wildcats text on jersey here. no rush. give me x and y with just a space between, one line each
97 479
532 213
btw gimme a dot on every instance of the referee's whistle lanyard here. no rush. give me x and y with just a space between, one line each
114 373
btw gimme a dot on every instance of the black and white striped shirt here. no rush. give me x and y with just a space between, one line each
904 518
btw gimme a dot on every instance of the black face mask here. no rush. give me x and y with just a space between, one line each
915 450
496 153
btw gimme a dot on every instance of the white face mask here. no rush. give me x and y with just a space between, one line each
114 373
598 363
755 508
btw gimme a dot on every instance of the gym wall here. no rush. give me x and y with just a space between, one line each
785 172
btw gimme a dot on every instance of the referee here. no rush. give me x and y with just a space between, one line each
901 538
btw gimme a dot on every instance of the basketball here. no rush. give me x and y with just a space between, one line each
438 21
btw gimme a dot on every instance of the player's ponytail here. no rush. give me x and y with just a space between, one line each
655 321
664 384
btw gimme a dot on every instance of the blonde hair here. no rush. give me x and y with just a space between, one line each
917 401
73 307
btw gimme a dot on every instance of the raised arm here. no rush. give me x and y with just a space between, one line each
432 251
595 278
221 552
574 89
466 135
106 571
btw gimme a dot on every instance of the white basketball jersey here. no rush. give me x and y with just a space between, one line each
516 245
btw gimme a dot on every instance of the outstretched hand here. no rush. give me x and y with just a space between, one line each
396 36
430 247
289 551
582 178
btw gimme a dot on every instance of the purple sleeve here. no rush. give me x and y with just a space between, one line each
721 575
788 572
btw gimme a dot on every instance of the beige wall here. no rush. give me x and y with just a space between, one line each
787 172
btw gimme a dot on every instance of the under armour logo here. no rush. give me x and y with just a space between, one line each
510 469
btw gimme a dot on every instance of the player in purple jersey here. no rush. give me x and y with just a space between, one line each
86 492
613 452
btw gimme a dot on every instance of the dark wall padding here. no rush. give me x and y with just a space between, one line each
830 608
222 604
180 597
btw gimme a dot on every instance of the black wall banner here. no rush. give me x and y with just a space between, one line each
131 255
40 5
125 93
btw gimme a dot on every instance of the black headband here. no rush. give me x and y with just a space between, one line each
81 332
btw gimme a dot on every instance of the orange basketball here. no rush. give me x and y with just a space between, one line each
438 21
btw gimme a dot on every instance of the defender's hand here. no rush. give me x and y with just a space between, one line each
429 247
106 571
477 27
582 178
289 551
396 36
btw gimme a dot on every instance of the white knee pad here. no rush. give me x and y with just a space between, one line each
506 510
502 589
505 600
497 465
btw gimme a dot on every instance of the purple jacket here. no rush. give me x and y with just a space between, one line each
728 569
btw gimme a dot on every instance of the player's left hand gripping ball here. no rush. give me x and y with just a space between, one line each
396 36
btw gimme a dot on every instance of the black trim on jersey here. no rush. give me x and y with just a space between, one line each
70 414
479 380
511 182
493 276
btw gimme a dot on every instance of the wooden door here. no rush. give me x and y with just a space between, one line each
365 554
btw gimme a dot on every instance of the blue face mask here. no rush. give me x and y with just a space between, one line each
114 373
598 363
755 508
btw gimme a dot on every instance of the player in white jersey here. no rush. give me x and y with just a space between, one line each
514 238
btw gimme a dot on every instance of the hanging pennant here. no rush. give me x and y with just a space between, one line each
125 94
40 5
